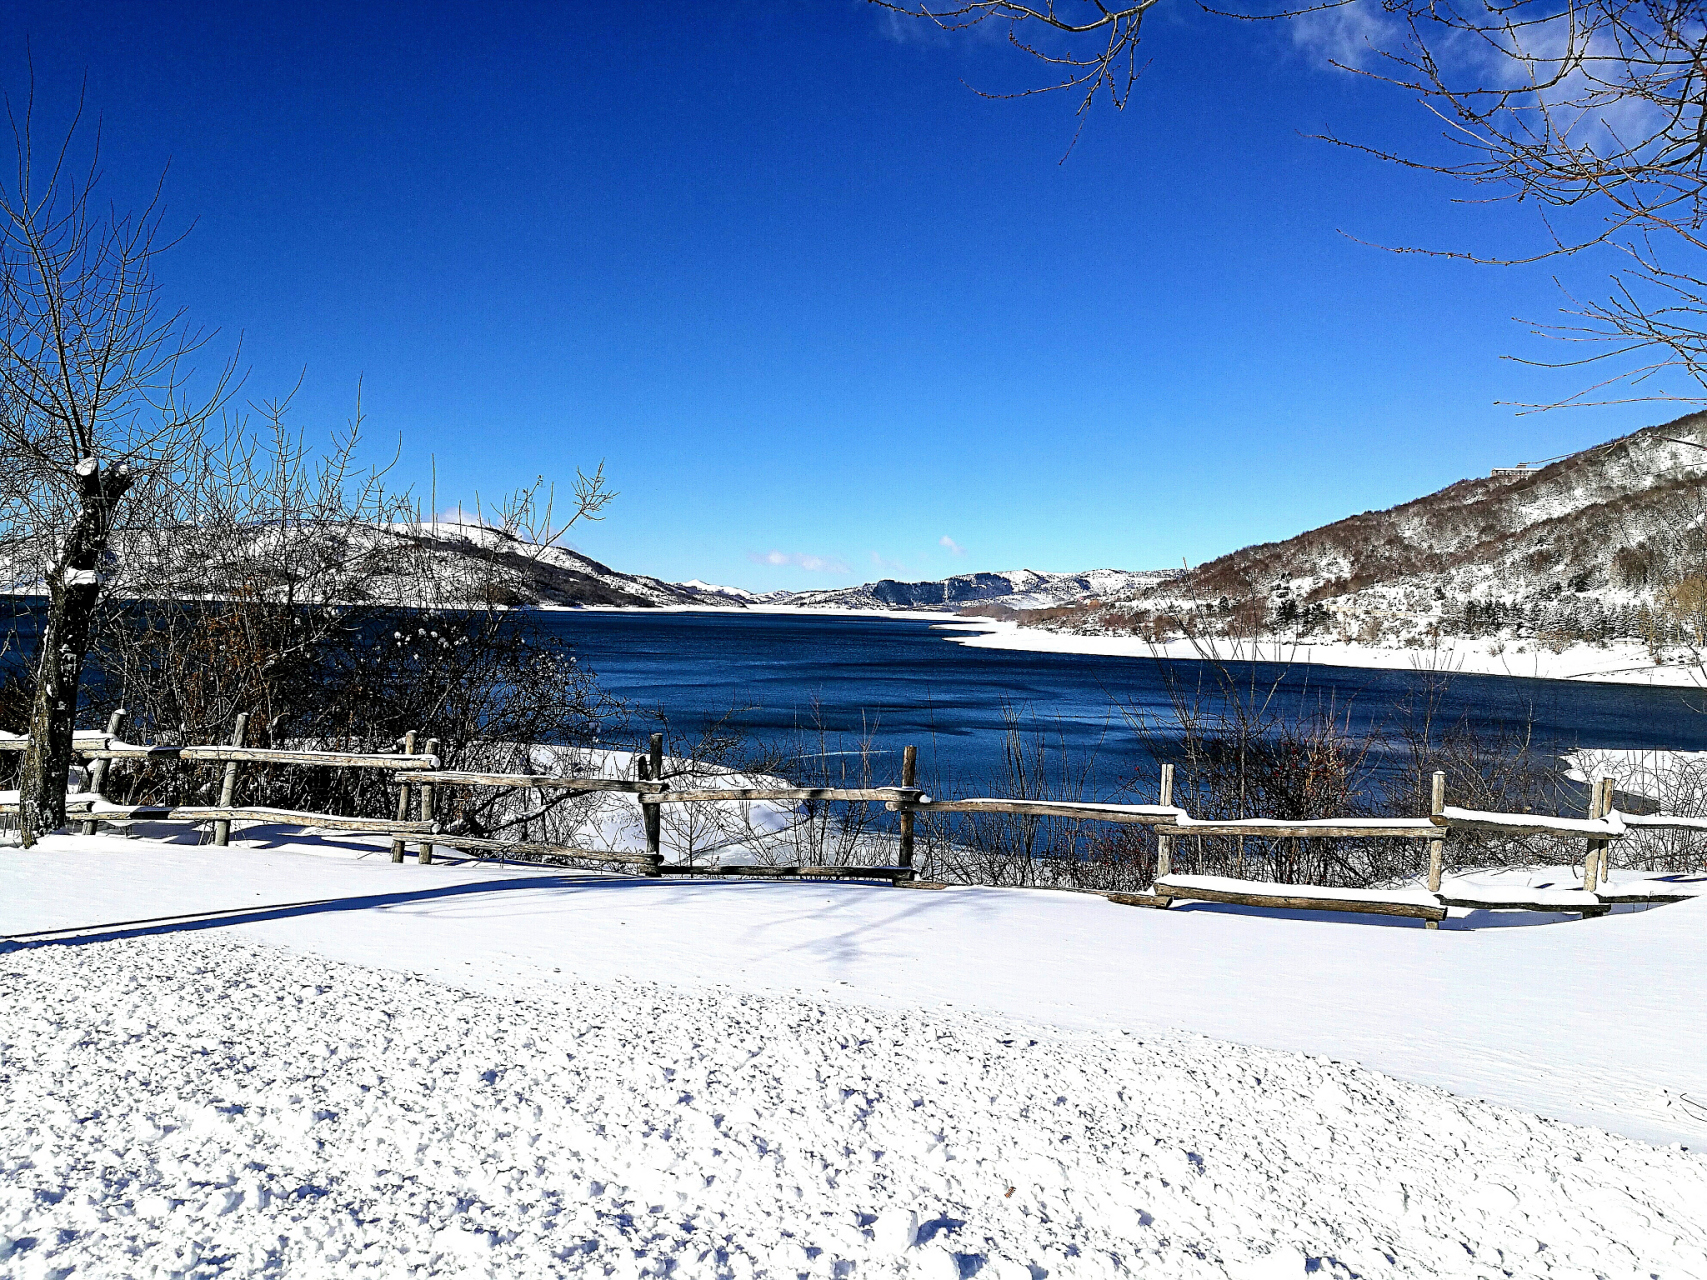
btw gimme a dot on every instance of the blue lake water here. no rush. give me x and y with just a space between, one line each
898 681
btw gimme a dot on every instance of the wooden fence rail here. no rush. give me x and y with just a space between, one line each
420 777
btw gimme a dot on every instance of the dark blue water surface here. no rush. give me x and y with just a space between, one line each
900 681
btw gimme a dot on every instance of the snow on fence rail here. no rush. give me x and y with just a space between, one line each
110 748
418 778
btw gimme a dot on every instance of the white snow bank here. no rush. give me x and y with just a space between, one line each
724 830
1593 1022
1677 780
1621 663
202 1105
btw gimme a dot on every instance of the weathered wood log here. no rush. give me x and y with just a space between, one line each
1611 827
1140 813
1611 895
1471 901
1140 900
1663 822
677 869
424 854
1313 828
92 738
895 795
896 874
250 813
397 846
228 784
858 873
1301 900
470 778
101 768
909 776
75 801
325 759
535 850
116 750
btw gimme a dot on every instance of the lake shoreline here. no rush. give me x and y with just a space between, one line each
1623 663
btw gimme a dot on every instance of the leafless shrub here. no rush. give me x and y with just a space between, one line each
285 583
1018 848
1666 782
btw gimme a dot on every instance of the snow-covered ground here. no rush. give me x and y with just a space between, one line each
325 1063
1621 663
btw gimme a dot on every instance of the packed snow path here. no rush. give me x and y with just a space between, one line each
205 1105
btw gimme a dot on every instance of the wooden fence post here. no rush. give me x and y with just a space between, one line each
909 777
424 854
1165 844
654 813
1593 845
98 773
228 787
1606 806
403 799
1437 846
1599 805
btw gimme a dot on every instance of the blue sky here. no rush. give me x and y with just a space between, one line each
825 313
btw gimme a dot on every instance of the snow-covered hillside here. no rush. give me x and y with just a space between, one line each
1580 552
550 575
1594 525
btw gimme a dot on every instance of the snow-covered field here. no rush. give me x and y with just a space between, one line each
1621 663
343 1066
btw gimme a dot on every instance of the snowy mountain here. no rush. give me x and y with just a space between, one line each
735 595
550 575
1585 545
1013 588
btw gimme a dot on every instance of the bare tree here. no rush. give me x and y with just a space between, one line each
1094 47
94 409
285 580
1596 114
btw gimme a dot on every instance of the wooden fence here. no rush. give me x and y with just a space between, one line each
420 780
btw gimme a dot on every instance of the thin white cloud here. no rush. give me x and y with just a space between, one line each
1355 35
799 560
461 515
1348 35
954 548
901 29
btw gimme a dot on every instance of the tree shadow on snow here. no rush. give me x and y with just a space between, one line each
475 893
114 931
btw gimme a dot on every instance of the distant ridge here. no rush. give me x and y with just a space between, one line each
1014 588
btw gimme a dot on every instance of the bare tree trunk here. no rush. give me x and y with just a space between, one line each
73 584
